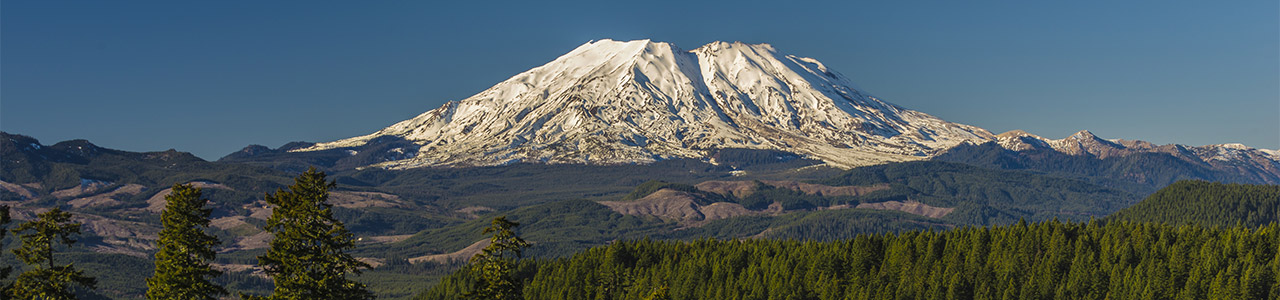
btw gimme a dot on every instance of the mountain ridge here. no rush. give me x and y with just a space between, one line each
1264 164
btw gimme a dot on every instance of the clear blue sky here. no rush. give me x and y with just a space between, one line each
210 77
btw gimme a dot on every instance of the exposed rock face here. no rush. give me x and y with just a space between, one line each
611 102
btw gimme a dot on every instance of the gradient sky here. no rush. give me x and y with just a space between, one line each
210 77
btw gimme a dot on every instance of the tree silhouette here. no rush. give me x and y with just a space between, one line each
46 279
496 263
182 264
307 258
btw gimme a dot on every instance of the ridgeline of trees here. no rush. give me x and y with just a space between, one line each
1048 260
1207 203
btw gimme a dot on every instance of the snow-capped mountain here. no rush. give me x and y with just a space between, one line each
615 102
1262 164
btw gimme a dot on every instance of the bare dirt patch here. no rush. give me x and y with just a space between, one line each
678 206
735 188
456 256
372 261
473 212
667 204
911 207
111 198
26 193
156 202
258 210
86 187
256 241
225 223
350 199
119 236
725 210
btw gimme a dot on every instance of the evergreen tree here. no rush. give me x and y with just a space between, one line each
182 264
4 220
46 279
496 270
307 258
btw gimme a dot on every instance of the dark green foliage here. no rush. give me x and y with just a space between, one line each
119 276
46 279
764 195
826 225
984 196
1140 173
307 258
1049 260
381 149
648 187
1207 203
757 159
496 263
182 264
700 197
4 221
556 228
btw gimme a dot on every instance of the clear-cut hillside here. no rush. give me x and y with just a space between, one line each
613 102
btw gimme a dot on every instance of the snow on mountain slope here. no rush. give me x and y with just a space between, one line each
1235 157
614 102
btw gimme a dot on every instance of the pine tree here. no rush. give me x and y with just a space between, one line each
182 264
495 268
46 279
4 220
307 258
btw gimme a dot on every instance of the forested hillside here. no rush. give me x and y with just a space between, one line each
1049 260
985 196
1141 173
1207 203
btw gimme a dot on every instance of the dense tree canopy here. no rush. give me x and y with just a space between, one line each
1049 260
1208 203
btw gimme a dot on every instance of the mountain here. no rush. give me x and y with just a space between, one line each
1137 166
614 102
1086 143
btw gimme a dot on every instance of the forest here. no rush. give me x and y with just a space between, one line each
1044 260
1202 202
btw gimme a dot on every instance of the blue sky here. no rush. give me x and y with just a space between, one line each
211 77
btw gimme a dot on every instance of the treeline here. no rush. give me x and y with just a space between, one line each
1048 260
1208 203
